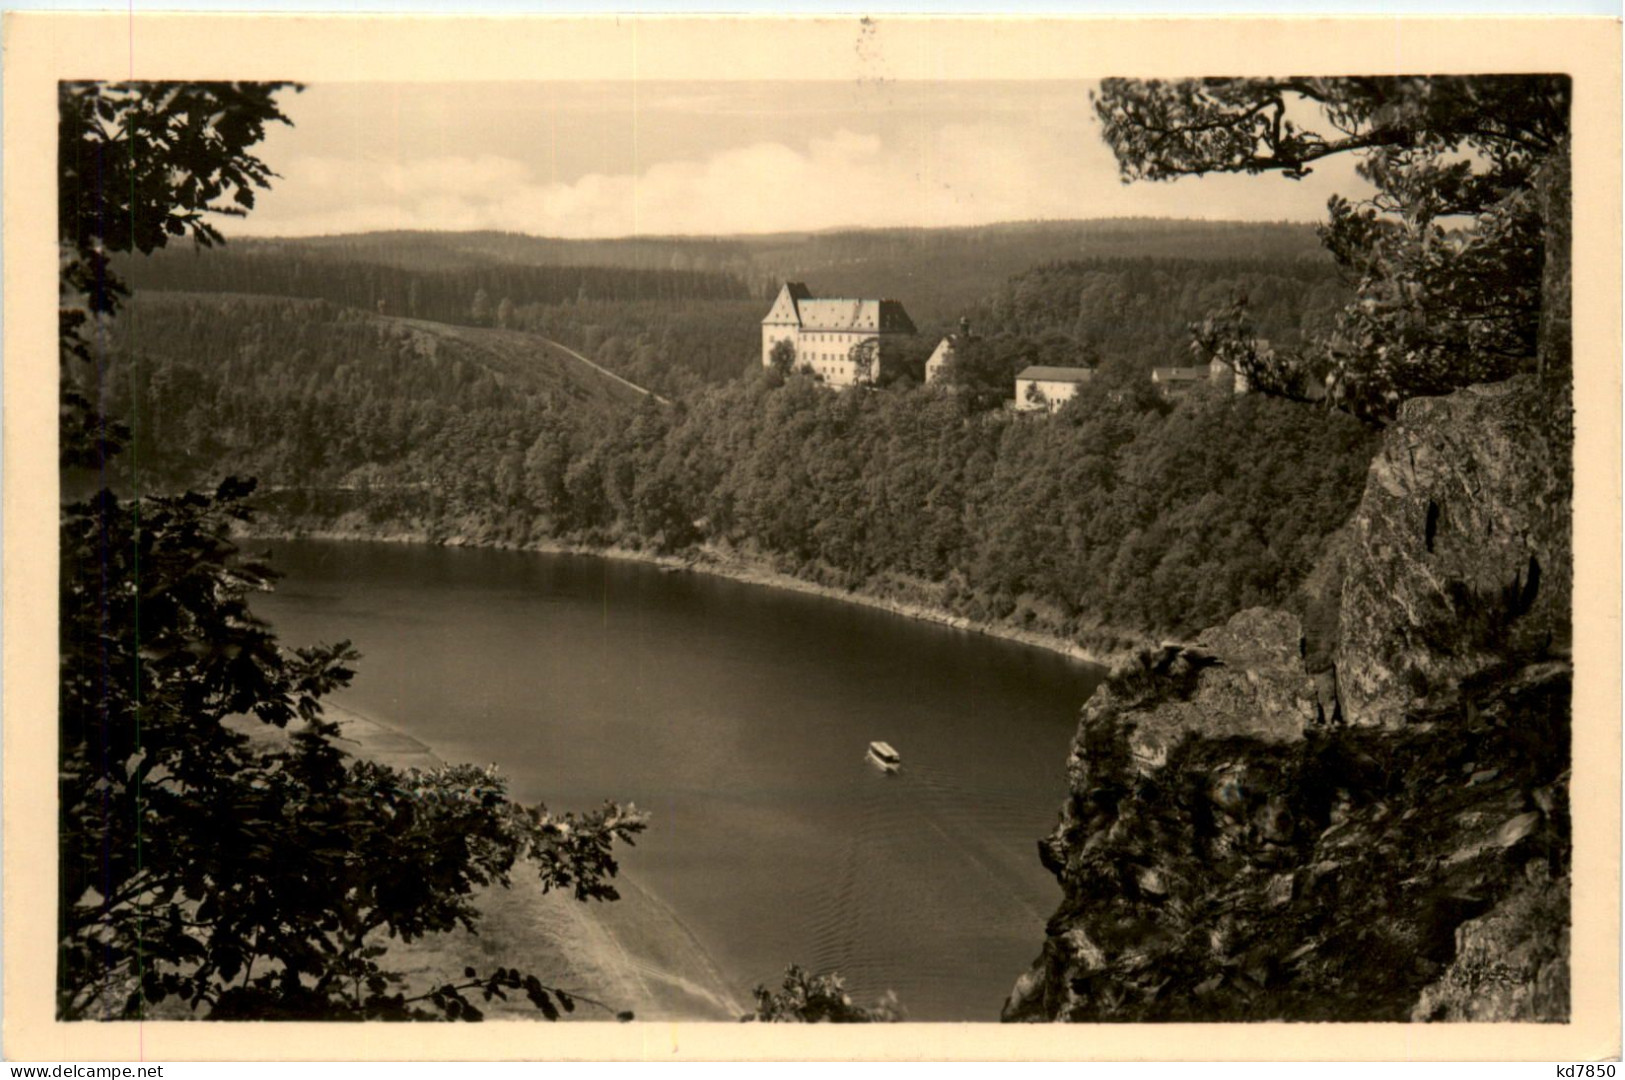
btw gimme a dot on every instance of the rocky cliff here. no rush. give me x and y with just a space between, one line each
1360 814
1461 555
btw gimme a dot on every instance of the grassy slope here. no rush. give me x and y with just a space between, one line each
532 357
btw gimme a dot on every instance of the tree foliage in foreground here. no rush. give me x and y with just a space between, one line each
253 880
140 163
805 998
1459 260
253 877
248 877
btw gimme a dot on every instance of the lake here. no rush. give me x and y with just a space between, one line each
738 715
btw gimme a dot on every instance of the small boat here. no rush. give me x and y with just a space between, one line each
882 754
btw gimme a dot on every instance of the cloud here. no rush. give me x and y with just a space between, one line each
954 174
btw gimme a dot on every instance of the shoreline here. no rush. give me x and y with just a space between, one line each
636 952
632 953
740 568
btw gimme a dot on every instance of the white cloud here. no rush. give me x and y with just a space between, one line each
957 174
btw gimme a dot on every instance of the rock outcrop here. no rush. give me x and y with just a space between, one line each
1227 851
1462 555
1512 965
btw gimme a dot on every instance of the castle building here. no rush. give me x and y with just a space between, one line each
1045 386
825 332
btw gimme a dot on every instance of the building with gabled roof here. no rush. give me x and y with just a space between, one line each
1174 381
945 351
939 359
1046 386
1171 381
825 332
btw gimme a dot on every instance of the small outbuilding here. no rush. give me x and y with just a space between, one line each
1043 386
945 351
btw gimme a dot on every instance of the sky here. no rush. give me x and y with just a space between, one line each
603 159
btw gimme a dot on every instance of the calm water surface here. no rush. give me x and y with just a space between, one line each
738 715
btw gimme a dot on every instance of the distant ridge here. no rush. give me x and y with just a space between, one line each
938 272
1014 225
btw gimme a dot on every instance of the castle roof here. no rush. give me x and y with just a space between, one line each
876 315
797 305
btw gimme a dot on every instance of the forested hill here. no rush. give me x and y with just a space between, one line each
1131 314
1127 315
423 250
479 294
672 313
743 254
1137 312
942 273
310 393
1118 513
938 273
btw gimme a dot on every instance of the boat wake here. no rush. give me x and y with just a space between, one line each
926 845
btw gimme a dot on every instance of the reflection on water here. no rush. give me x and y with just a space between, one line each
739 716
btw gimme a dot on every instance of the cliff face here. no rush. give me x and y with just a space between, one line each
1236 847
1461 555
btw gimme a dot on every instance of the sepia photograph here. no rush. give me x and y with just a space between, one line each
861 538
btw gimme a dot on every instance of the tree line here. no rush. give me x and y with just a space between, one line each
940 274
1120 510
1139 311
195 865
236 878
421 250
1127 314
1459 259
669 347
479 295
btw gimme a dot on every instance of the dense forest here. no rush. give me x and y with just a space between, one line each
1126 513
187 854
940 274
1121 511
1128 314
480 295
668 347
675 313
417 250
307 392
1138 312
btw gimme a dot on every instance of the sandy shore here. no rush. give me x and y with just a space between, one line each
633 953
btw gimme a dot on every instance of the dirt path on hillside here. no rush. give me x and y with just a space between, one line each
520 345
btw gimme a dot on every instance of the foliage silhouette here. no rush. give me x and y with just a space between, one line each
805 998
1457 260
248 877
